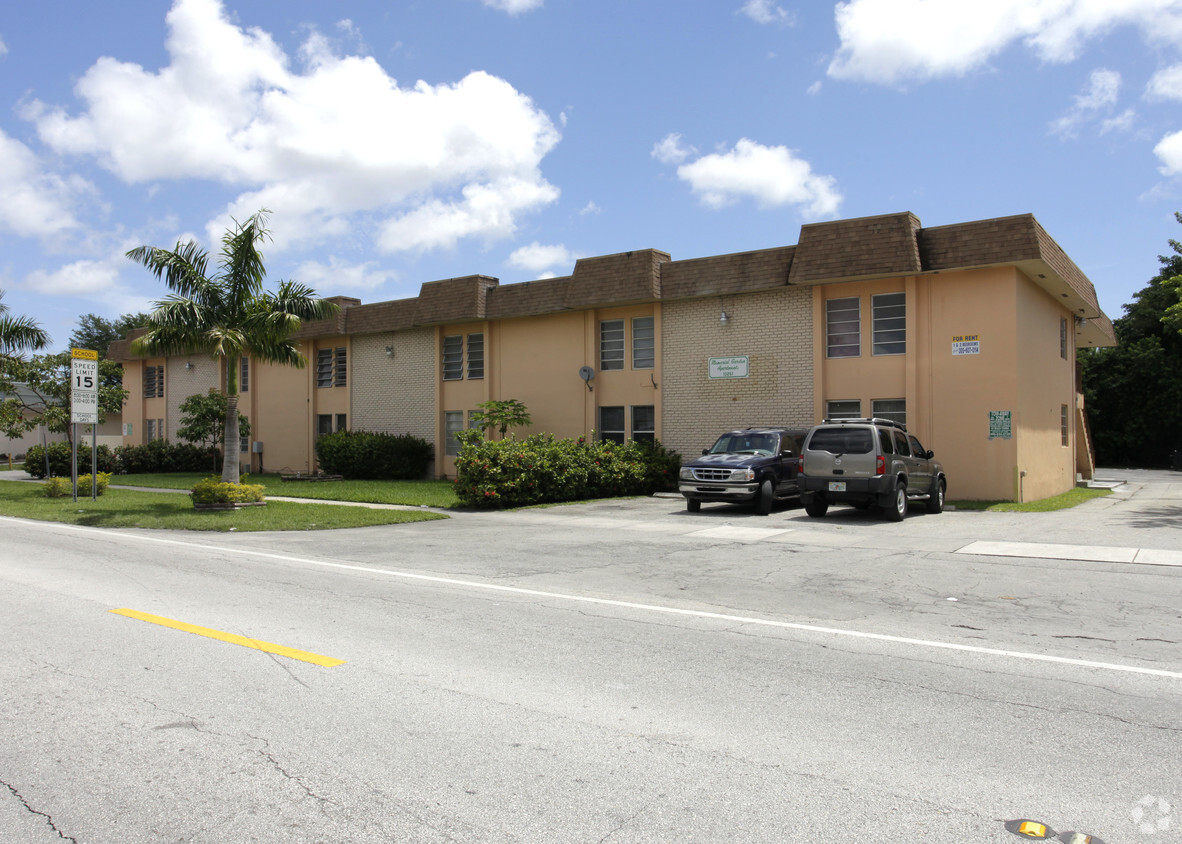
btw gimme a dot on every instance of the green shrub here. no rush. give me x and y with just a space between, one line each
214 491
58 487
85 483
60 459
540 469
163 456
370 455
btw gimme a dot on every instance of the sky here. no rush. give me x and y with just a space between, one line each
402 142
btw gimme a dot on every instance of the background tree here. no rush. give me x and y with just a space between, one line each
98 333
1133 392
18 333
38 390
502 415
203 420
226 314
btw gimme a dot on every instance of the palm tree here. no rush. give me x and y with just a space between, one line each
19 333
228 314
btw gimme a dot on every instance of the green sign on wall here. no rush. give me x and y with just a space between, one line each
1000 427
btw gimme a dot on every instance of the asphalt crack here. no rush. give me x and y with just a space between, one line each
48 818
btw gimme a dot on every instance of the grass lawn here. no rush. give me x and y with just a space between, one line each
1057 502
125 508
414 493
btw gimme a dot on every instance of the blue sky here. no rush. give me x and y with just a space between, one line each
398 143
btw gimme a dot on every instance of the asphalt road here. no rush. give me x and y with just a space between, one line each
609 672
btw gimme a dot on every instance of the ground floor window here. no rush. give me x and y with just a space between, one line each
892 409
611 424
154 428
324 423
644 423
453 423
1063 423
843 409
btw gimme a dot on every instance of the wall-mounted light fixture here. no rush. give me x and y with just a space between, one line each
724 319
389 351
188 364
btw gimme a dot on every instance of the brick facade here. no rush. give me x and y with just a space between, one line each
395 394
774 329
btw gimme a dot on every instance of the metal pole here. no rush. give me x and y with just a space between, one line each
94 462
74 461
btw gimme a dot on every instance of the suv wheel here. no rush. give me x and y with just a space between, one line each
816 506
897 510
693 505
936 502
764 498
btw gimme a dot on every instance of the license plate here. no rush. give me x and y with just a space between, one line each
837 486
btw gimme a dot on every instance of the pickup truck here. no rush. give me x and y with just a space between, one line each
750 465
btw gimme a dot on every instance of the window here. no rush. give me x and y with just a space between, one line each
1063 338
331 367
644 343
154 428
901 445
323 424
846 409
244 376
1063 423
611 347
611 424
324 368
341 426
453 357
244 444
453 423
916 448
843 328
644 423
153 382
475 355
892 409
890 323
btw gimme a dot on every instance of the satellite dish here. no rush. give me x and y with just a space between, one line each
586 373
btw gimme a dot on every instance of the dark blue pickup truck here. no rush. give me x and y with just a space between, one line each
750 465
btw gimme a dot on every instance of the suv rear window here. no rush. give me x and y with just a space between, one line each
842 440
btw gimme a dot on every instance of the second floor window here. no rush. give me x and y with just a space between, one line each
331 367
611 344
153 382
890 324
453 357
475 356
843 328
244 376
644 343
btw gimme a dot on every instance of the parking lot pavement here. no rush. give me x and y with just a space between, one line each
1140 523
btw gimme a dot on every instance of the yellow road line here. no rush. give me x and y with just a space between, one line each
234 639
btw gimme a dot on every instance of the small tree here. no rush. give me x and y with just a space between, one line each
39 390
203 420
501 415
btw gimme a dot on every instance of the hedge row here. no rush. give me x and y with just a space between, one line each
153 457
374 456
542 469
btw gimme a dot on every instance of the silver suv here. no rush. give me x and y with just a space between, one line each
868 463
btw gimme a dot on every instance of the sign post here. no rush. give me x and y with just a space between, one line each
84 411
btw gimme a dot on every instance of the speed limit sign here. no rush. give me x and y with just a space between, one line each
84 387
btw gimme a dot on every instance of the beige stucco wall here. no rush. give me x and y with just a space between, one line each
1046 383
773 329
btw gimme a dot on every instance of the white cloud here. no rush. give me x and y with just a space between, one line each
513 7
33 201
3 48
1166 84
590 208
1122 122
338 137
537 257
670 150
81 278
772 176
1099 96
336 276
766 12
890 41
1169 150
815 88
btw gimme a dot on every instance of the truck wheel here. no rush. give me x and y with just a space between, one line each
897 510
764 498
693 505
816 506
936 502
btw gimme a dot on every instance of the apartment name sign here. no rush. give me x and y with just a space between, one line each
733 367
